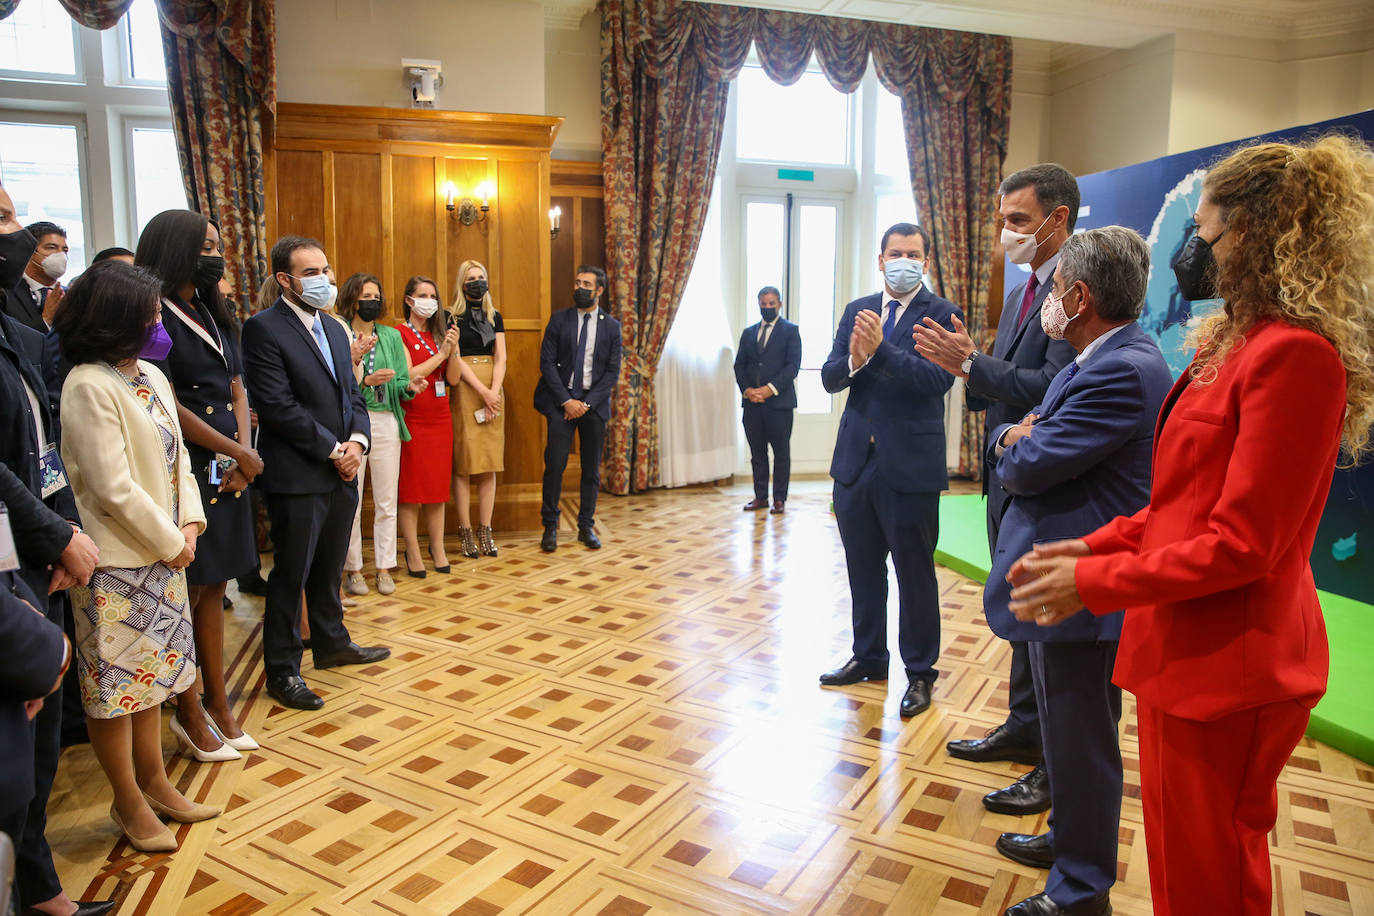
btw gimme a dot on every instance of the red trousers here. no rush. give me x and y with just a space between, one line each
1210 797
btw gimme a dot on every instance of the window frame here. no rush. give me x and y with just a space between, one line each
67 79
129 124
63 119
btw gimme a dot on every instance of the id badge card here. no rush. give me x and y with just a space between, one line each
9 559
440 389
52 473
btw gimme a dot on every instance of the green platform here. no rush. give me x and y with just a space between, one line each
1343 719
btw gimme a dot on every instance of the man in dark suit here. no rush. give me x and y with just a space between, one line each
313 431
53 552
1079 459
1039 206
34 297
766 366
889 466
579 363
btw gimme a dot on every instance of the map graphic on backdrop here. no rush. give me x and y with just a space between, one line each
1157 199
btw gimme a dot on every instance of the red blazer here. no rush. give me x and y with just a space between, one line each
1222 610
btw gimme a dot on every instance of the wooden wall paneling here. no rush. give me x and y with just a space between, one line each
300 176
358 224
591 231
330 237
413 190
563 252
470 242
387 219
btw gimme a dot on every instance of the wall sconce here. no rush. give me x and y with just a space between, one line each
555 219
468 211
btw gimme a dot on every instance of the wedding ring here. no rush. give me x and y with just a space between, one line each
1044 611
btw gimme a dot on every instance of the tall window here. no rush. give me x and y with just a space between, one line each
85 128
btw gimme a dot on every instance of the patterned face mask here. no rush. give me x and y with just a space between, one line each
1054 321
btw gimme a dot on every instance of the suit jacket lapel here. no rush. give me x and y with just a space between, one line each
290 317
196 328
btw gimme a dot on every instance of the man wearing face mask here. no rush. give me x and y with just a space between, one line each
1080 458
766 366
1038 206
34 298
579 363
889 466
313 429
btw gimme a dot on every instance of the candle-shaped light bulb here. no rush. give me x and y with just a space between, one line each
449 193
556 217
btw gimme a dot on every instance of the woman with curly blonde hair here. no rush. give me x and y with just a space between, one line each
1223 642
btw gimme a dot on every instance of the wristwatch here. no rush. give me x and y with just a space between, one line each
967 365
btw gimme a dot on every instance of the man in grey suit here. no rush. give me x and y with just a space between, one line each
1039 206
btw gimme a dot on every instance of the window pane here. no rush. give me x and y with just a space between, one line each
889 151
157 174
39 167
817 248
38 38
764 250
805 122
145 43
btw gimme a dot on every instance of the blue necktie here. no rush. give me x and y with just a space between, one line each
323 343
891 321
581 358
1073 370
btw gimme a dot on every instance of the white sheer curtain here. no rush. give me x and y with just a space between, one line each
698 403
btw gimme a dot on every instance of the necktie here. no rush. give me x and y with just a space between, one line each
1073 370
763 336
1028 299
323 343
891 321
581 358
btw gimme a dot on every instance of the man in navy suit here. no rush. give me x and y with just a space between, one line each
766 366
1039 206
313 429
34 298
889 466
1079 459
579 362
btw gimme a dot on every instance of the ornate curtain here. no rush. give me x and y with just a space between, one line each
665 72
222 82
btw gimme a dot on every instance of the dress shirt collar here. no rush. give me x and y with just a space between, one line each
1096 345
903 300
35 286
306 317
1045 272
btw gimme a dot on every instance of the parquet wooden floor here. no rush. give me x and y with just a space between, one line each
638 731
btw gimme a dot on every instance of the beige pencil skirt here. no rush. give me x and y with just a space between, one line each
478 447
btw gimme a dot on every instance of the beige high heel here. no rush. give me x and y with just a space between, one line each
158 842
194 815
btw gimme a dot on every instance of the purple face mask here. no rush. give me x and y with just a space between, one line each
157 344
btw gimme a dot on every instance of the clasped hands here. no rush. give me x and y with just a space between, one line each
76 563
763 392
573 408
1044 590
348 463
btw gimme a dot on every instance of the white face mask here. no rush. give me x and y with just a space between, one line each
424 307
1054 321
902 275
55 264
1022 246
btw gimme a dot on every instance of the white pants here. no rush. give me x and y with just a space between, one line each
385 458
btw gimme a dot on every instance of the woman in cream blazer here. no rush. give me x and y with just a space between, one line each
131 477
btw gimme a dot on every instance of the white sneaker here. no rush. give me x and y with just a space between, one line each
385 584
355 584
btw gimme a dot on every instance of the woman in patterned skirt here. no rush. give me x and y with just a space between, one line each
140 504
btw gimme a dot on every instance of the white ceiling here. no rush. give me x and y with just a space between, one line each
1109 23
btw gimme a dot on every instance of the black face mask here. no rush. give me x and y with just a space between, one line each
768 315
474 290
369 309
15 250
1195 269
209 270
584 298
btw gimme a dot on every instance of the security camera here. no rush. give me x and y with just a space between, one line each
424 78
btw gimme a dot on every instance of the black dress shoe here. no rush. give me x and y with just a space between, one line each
83 908
292 692
1034 850
777 509
853 671
998 744
916 700
588 536
253 585
1042 905
352 654
1028 795
549 542
755 503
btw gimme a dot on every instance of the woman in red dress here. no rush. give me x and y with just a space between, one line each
1223 643
427 459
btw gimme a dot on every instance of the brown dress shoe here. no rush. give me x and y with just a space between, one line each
755 504
777 507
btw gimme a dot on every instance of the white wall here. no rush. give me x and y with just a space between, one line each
348 52
572 88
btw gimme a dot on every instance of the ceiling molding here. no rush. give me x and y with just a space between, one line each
566 14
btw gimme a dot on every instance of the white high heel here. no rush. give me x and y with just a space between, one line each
220 754
242 743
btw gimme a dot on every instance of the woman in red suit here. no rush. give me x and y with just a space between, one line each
1223 642
427 459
